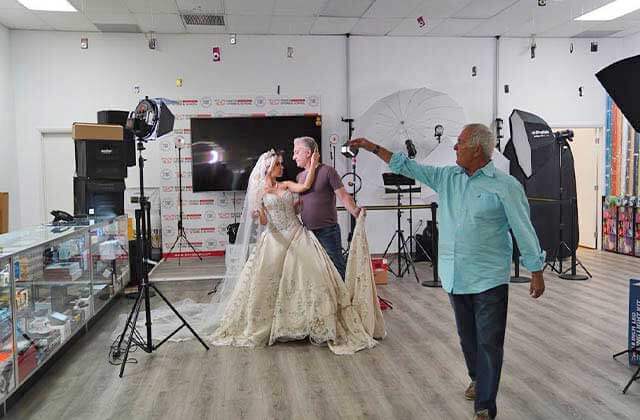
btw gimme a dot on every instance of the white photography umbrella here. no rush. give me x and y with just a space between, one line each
412 115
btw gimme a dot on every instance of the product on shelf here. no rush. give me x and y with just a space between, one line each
63 271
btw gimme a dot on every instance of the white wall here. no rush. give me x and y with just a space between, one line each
548 85
57 83
8 174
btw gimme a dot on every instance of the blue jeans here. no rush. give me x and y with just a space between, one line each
331 240
481 319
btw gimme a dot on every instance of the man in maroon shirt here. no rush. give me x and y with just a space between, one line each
319 212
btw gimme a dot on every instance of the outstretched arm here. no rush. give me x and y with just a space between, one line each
308 182
362 143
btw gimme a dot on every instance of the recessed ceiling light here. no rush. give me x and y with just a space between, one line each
48 5
612 10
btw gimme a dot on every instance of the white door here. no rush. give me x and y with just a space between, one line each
58 170
586 158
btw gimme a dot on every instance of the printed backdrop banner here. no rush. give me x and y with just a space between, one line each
206 215
634 321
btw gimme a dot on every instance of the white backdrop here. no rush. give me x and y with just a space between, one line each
207 214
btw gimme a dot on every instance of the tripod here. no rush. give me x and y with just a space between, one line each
563 274
404 253
182 236
134 337
636 375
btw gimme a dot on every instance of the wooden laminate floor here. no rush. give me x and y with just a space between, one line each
558 364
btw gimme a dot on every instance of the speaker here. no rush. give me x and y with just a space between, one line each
100 159
98 197
120 118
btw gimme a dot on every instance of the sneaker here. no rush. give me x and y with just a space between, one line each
470 392
482 415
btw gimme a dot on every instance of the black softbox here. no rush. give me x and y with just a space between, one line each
534 155
620 80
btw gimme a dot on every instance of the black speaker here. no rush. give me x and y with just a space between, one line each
98 197
100 159
120 118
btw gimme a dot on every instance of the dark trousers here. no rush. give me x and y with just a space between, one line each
331 240
481 319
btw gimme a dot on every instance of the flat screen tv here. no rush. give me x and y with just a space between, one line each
225 150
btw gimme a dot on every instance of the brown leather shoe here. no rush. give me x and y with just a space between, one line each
470 392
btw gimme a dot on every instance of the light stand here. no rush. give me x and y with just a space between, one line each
149 120
517 278
348 153
395 180
561 141
182 236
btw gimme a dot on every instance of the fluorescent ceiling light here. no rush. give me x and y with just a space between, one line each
48 5
612 10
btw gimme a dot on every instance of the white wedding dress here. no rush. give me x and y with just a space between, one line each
290 290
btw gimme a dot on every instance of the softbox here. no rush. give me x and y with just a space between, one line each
534 155
620 80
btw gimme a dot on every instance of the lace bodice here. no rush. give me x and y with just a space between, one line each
281 211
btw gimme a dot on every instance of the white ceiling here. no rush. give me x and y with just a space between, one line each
472 18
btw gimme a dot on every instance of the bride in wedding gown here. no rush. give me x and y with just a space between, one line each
289 289
280 284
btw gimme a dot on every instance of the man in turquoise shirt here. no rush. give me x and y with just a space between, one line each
477 206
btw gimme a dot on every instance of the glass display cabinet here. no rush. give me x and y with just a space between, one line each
53 281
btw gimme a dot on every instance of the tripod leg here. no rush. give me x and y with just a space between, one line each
408 258
174 244
389 244
635 377
126 325
192 247
136 310
418 245
385 256
175 311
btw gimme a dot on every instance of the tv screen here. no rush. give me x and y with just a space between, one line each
225 150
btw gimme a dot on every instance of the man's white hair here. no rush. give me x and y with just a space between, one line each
482 135
308 142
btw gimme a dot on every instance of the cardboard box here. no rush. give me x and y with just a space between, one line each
4 212
380 270
380 276
88 131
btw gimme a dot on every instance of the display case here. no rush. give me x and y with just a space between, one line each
53 280
7 359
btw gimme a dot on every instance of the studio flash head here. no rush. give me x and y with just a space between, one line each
348 151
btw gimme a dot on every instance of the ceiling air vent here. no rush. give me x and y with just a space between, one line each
208 20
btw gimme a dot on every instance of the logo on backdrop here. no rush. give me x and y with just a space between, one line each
167 203
166 174
209 216
260 101
168 231
166 145
206 101
313 100
212 243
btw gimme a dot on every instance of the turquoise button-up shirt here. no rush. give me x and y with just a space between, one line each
474 215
